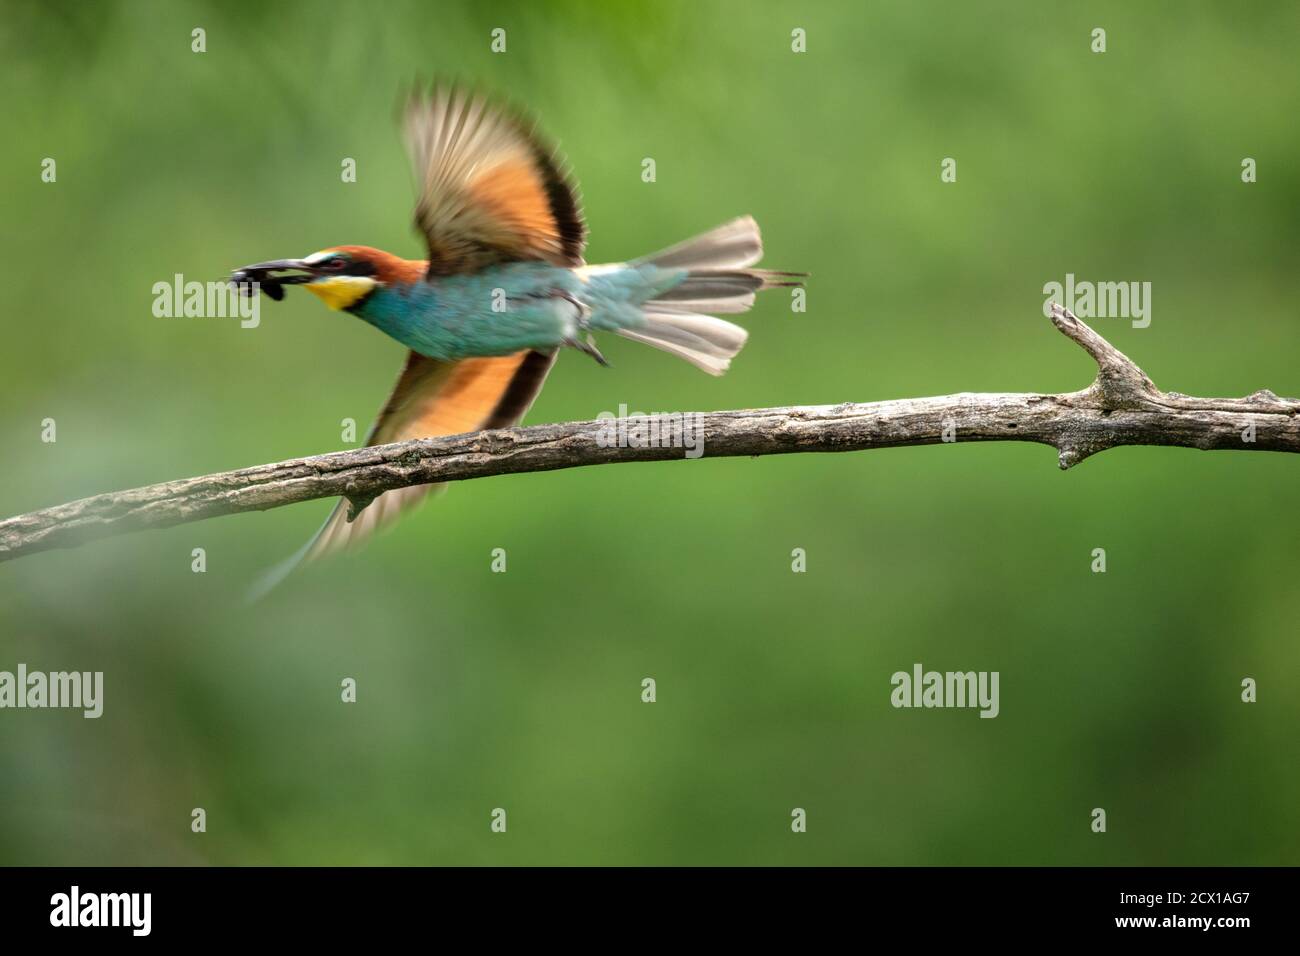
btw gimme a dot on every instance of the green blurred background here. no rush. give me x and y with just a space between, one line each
522 690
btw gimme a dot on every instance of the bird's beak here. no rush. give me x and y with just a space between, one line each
268 277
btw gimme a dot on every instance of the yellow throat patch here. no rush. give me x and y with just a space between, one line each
340 292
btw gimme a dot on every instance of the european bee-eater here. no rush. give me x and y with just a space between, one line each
505 286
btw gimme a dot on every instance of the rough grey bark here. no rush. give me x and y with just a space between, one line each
1121 407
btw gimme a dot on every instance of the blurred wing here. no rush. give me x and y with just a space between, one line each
434 398
490 190
430 398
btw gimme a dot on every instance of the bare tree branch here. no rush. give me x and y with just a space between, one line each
1121 407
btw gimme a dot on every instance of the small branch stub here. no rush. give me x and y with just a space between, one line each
358 502
1120 383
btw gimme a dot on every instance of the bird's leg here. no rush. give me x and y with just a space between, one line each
587 344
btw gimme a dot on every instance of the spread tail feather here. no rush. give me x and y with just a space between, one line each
681 321
733 245
707 343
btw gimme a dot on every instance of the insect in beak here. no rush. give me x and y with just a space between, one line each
266 277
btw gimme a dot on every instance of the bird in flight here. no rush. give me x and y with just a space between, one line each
505 287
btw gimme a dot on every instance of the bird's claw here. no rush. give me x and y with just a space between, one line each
587 345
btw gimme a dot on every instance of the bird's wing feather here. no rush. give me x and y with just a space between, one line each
490 190
434 398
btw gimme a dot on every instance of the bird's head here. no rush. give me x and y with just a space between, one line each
342 276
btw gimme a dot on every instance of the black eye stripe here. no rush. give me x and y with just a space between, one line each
343 264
